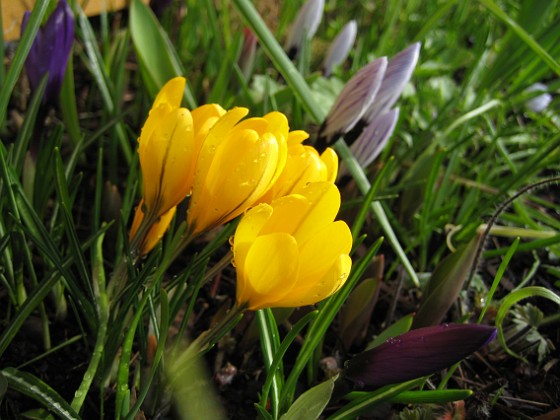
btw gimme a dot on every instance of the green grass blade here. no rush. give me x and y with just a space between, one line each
33 387
521 33
512 299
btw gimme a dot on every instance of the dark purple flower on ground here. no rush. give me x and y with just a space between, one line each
416 353
50 50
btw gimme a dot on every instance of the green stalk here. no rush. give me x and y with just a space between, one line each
103 313
304 94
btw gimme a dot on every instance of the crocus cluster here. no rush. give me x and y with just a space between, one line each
50 50
288 249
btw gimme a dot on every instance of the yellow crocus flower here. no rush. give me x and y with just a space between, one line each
166 148
303 166
237 165
291 252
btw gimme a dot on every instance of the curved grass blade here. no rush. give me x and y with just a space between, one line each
33 387
511 300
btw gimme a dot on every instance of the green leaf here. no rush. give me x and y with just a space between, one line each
356 312
157 57
399 327
445 284
311 403
33 387
511 300
431 397
3 386
360 405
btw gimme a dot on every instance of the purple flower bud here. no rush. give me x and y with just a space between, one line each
416 353
305 26
50 50
340 47
354 99
399 71
540 102
375 136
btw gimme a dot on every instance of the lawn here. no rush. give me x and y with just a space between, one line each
296 210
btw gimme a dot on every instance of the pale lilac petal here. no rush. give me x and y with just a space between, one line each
354 99
305 25
375 136
340 47
538 103
399 71
416 353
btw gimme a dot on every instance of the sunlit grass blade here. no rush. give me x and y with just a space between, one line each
33 387
270 342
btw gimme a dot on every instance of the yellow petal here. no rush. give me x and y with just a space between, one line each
330 160
288 213
248 229
171 93
321 249
157 231
297 137
238 175
166 159
322 288
325 202
204 118
270 270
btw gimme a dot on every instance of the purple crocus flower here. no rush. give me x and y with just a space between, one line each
340 47
352 102
50 50
416 353
305 26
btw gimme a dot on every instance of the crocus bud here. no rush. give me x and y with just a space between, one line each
540 102
50 50
398 73
374 137
354 99
238 163
340 47
416 353
247 57
291 252
305 26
